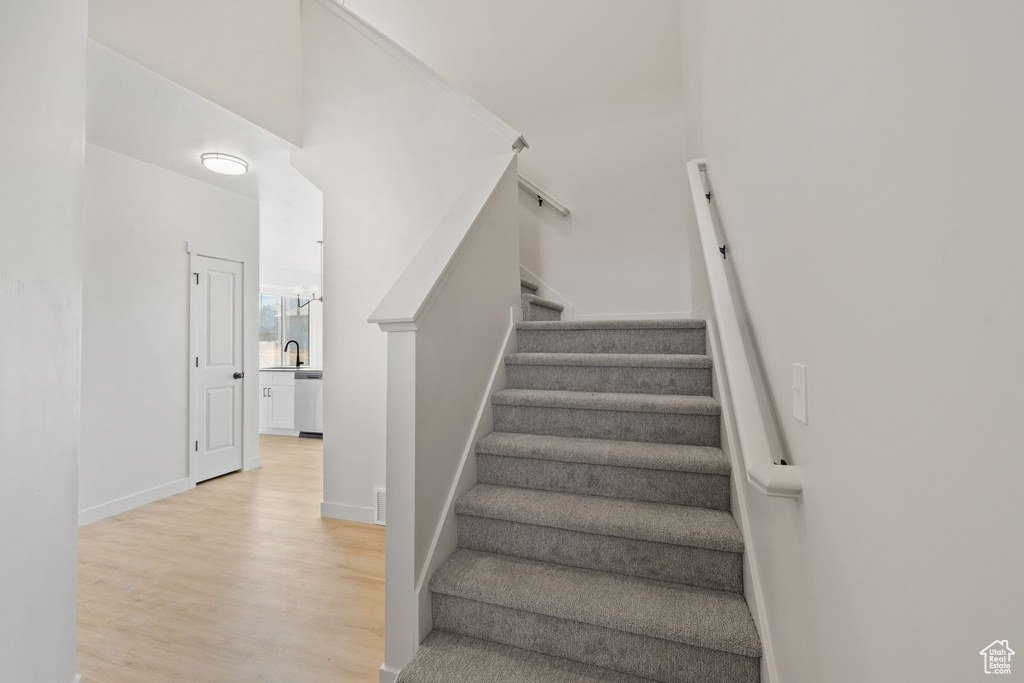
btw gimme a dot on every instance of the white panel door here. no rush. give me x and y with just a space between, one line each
218 362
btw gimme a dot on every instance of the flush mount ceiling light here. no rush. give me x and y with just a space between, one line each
224 163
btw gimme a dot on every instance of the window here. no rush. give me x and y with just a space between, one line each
283 319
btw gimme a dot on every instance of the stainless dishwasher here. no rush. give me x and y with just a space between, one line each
309 403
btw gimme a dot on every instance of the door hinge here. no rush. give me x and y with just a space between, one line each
197 361
722 249
197 277
197 446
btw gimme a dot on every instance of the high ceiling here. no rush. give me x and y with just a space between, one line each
138 113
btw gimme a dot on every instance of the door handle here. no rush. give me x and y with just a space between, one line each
239 375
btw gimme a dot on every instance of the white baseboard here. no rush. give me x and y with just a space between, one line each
274 431
702 311
387 675
669 315
753 594
252 463
78 679
351 513
116 507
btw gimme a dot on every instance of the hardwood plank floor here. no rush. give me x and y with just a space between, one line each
238 580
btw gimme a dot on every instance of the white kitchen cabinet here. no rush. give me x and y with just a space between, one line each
281 408
277 401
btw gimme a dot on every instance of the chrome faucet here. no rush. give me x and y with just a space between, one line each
298 350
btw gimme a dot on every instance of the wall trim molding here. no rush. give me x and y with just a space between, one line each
275 431
387 675
667 315
349 513
78 678
704 311
116 507
753 594
410 61
215 251
253 463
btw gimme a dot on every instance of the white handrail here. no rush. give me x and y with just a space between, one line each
755 444
542 196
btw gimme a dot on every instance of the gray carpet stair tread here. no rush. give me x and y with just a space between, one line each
699 617
546 303
556 325
583 400
449 658
642 455
654 522
619 360
529 284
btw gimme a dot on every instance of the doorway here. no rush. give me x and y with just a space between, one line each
217 368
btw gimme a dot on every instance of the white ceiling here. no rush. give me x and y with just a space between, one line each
141 114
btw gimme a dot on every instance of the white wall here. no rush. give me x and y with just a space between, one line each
866 161
391 152
596 89
694 19
448 323
135 337
42 106
245 55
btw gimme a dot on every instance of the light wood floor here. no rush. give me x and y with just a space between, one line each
238 580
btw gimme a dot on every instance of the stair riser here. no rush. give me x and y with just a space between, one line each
652 486
450 658
526 290
695 430
621 380
660 561
642 656
686 340
535 313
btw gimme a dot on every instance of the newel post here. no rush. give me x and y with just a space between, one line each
401 604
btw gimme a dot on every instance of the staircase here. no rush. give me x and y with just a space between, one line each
536 308
598 544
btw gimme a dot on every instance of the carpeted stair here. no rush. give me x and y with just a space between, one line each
536 308
598 545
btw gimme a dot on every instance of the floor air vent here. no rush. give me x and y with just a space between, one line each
380 507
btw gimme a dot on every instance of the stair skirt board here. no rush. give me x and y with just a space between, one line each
597 545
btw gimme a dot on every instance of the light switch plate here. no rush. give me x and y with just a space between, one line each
800 392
